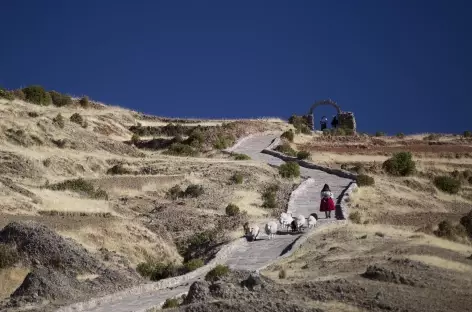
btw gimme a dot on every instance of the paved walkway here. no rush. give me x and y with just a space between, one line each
249 255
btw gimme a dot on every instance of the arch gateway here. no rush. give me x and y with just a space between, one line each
345 119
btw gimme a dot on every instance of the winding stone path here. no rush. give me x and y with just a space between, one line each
247 255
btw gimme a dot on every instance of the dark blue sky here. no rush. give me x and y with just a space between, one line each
398 65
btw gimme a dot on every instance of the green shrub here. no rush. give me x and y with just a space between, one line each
450 231
303 155
156 271
171 303
467 134
193 264
78 119
269 197
237 178
241 157
466 222
196 138
432 137
8 256
19 94
232 210
118 169
197 244
365 180
290 169
59 99
59 121
289 135
223 142
84 102
37 95
355 217
286 149
469 180
179 149
282 274
400 135
135 139
447 184
401 164
33 114
379 134
193 190
8 95
79 186
217 272
175 192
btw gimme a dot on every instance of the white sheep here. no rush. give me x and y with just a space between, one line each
311 222
300 222
271 229
285 220
254 231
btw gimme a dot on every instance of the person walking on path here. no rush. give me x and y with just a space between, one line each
327 203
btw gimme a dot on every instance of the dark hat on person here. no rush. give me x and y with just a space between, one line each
326 188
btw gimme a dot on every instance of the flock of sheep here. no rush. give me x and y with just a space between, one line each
286 220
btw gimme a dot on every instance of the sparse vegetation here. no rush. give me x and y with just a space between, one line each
241 157
8 95
286 149
365 180
400 135
447 184
37 95
217 272
59 121
290 169
282 274
232 210
175 192
450 231
193 264
118 169
135 138
8 256
288 135
237 178
466 222
467 134
432 137
80 186
269 196
300 124
84 102
59 99
156 271
401 164
180 149
303 155
355 217
19 94
171 303
78 119
33 114
194 191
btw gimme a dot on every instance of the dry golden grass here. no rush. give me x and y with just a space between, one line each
11 279
442 263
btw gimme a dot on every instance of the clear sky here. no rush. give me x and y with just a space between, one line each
400 66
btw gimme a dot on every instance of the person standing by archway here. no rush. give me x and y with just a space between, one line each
335 121
323 122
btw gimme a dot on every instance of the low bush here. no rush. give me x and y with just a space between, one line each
84 102
355 217
241 157
401 164
223 141
467 134
400 135
197 245
78 119
282 274
232 210
432 137
466 222
379 134
135 139
303 155
33 114
79 186
180 149
171 303
6 94
237 178
8 256
450 231
59 121
217 273
193 264
59 99
289 169
286 149
37 95
19 94
156 271
365 180
469 180
118 169
194 191
269 197
175 192
447 184
289 135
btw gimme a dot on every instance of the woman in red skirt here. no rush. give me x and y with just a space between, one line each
327 203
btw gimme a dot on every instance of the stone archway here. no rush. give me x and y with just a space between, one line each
319 103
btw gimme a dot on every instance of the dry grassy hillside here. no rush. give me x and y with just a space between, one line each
125 198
